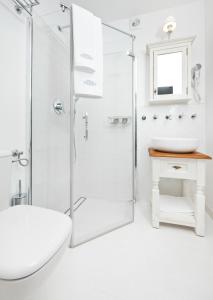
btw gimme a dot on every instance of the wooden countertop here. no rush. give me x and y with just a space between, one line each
194 155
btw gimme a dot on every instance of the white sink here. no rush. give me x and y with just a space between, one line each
176 145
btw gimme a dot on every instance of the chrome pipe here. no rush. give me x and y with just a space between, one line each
104 24
119 30
61 28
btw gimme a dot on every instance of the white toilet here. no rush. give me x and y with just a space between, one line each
33 240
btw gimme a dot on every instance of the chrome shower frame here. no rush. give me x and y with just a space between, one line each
72 121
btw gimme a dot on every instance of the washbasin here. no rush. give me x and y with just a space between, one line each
176 145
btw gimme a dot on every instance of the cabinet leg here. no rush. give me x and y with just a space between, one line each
155 205
200 211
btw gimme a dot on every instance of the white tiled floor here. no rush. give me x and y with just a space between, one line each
137 263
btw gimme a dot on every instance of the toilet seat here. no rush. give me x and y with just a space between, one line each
29 237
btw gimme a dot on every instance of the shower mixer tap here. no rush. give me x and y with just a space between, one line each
58 107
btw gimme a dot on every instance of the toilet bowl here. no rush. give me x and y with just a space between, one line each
33 240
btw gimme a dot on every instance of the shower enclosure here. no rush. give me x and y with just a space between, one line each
82 149
103 159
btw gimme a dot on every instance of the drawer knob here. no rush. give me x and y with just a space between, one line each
177 167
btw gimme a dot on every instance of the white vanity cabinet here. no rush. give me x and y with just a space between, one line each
189 208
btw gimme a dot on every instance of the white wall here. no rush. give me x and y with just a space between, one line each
190 22
209 96
14 102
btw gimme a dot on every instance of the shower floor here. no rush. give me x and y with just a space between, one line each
97 216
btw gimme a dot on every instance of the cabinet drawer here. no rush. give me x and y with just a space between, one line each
178 169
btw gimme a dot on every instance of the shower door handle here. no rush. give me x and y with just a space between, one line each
86 119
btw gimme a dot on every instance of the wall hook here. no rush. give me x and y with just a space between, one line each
193 116
168 117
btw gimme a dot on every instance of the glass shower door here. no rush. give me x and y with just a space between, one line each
82 149
103 167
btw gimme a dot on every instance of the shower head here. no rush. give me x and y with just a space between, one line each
26 4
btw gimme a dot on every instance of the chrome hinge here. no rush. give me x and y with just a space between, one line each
132 201
131 54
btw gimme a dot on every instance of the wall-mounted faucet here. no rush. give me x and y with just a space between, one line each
155 117
180 116
193 116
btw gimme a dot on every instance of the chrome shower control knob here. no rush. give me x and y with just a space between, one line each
58 107
155 117
143 118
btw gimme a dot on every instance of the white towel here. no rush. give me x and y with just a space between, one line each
88 53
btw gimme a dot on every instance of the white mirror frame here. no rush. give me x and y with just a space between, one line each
166 47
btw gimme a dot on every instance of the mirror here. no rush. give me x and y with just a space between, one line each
169 74
170 71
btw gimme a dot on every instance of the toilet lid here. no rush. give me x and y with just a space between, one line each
29 237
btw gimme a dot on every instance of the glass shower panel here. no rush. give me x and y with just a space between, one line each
51 113
103 162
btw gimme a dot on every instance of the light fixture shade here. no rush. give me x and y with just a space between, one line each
170 25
